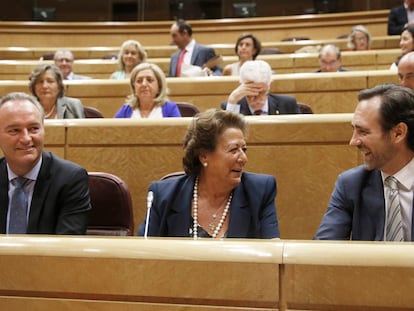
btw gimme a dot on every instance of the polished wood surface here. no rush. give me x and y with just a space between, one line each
319 26
280 63
162 51
324 92
120 273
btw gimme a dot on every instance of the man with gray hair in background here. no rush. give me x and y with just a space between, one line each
252 96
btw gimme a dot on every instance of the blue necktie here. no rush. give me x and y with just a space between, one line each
18 207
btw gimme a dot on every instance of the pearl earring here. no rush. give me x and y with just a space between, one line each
205 164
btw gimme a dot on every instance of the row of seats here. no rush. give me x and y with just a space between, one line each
162 51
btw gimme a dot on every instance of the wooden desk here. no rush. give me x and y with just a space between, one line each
165 51
130 273
319 26
324 92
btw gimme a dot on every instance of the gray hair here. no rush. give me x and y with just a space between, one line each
257 71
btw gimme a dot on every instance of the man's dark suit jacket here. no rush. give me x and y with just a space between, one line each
397 20
252 209
201 54
278 104
356 209
60 201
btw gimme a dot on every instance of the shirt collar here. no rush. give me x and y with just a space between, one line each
404 176
32 174
265 108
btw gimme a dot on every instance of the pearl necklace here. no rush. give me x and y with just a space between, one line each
51 112
195 213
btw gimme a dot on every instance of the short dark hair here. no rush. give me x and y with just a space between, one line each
203 133
256 43
397 105
184 26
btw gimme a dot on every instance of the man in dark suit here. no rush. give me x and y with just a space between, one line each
191 53
383 129
56 194
252 96
330 59
400 17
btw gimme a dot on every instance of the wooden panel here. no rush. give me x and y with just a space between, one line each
322 26
86 272
324 92
350 276
165 51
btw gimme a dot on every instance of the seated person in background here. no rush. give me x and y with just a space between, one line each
149 95
46 84
330 59
359 39
406 45
359 208
215 198
55 197
247 48
190 53
400 17
64 60
406 70
131 54
252 96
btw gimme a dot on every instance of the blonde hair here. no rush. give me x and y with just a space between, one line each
351 37
141 52
162 95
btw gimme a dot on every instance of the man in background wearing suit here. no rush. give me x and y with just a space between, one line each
191 53
400 17
64 60
252 96
383 130
330 59
55 191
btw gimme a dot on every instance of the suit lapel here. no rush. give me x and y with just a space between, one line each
273 105
179 220
40 191
4 196
196 52
174 61
239 223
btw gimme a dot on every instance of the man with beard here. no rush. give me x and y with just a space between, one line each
364 204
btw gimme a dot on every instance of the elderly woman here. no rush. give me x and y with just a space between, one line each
131 54
359 39
247 48
214 198
46 84
149 95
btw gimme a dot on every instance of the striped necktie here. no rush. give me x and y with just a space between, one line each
18 207
394 229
